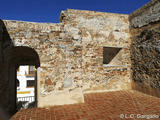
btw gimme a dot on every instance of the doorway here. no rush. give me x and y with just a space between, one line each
17 57
26 87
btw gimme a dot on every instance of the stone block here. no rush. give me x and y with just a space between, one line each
72 97
68 82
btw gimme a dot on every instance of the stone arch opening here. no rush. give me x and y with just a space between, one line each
15 57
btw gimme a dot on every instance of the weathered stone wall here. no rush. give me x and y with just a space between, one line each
145 48
49 41
93 31
71 54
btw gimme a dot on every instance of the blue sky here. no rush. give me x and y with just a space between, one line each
49 10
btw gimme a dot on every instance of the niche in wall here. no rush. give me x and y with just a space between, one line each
111 56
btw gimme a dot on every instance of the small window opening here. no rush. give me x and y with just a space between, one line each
109 53
30 83
31 70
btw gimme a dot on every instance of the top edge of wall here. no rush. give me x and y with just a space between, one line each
88 12
143 8
20 21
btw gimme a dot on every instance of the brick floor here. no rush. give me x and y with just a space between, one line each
99 106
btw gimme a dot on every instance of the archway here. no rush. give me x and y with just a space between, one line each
15 57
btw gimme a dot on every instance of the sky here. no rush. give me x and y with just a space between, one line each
48 11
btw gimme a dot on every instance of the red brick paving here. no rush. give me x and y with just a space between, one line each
98 106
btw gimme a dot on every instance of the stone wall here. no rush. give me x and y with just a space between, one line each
5 43
93 31
71 54
49 41
145 48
